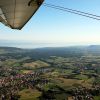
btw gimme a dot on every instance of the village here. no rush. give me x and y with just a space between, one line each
49 78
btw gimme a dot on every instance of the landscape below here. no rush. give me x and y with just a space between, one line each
66 73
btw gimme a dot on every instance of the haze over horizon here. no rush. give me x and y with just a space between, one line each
32 45
50 27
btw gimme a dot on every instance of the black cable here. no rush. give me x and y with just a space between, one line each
73 11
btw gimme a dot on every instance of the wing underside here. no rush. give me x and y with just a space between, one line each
16 13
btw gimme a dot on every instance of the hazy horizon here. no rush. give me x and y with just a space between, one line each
50 27
31 44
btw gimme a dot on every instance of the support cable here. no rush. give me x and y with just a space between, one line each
93 16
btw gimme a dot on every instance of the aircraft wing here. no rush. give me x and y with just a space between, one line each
16 13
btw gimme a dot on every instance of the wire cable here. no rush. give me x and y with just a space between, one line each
96 17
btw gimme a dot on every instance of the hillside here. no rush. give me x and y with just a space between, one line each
54 51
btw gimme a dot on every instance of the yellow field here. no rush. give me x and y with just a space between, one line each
70 82
29 94
36 64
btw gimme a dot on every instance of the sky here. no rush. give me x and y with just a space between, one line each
50 27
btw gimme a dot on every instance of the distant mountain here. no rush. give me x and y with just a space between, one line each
10 48
66 51
54 51
4 50
94 47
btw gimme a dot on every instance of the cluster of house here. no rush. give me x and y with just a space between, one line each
83 93
10 86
